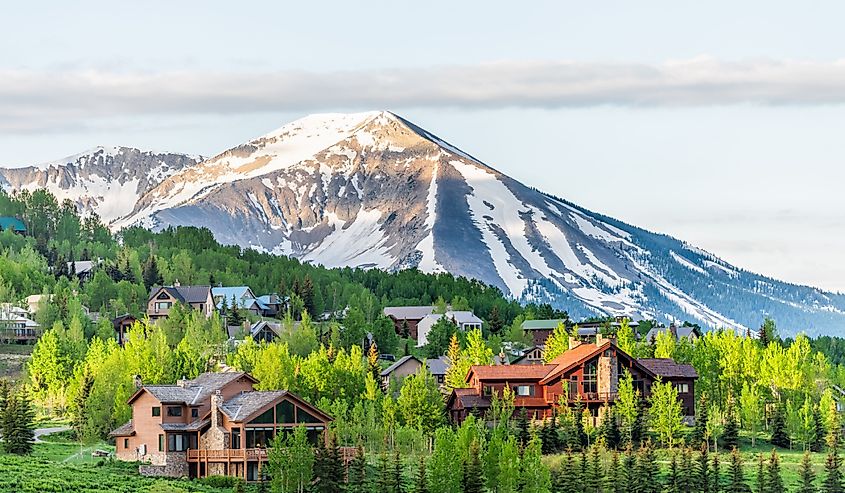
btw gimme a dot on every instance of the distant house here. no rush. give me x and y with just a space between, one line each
265 331
16 327
213 425
531 356
678 333
465 321
12 223
587 374
409 365
242 296
162 299
540 330
122 324
83 269
273 302
33 302
407 317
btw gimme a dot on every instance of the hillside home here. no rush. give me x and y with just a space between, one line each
274 304
265 331
465 321
540 330
531 356
13 224
83 269
16 327
409 365
677 333
406 318
240 296
162 299
215 424
121 325
587 372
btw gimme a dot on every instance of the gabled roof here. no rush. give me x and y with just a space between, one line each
510 372
408 312
438 366
401 361
185 294
257 327
572 357
468 398
247 405
270 299
124 430
665 367
192 392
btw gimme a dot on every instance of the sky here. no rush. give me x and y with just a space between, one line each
720 123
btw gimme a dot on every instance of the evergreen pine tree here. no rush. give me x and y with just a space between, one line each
580 434
472 480
737 482
16 424
730 434
699 432
420 480
584 469
702 471
595 472
648 471
152 276
774 481
638 431
806 475
79 418
833 473
384 480
610 428
357 475
762 482
494 321
328 467
685 471
398 483
523 433
672 476
611 480
568 477
779 436
820 433
716 474
628 478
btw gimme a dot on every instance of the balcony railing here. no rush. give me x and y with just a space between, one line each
593 396
227 454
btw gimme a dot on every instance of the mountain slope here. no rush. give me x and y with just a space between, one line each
374 190
105 180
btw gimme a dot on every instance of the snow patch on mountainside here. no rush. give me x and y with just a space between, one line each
686 263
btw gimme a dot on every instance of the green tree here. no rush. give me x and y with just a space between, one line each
648 471
421 403
534 475
420 480
16 424
472 480
627 405
666 415
444 474
736 480
557 343
291 462
833 473
806 475
751 409
730 434
357 475
774 481
779 435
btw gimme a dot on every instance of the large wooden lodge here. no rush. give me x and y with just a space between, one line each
215 424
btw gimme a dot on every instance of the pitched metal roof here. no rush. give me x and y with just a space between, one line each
408 312
13 223
665 367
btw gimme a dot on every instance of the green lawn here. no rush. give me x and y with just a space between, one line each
16 348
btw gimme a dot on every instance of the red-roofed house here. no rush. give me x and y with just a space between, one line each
587 372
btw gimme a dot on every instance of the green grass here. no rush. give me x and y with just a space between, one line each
16 348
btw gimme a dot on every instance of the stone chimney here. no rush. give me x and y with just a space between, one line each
574 342
176 283
602 338
182 383
138 382
216 404
608 374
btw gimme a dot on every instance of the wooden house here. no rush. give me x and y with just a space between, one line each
162 299
215 424
587 372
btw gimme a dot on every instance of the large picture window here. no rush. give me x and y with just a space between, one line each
590 382
285 413
259 437
175 411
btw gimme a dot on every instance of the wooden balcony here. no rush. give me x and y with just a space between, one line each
593 397
226 455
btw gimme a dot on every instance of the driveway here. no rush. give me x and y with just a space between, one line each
40 432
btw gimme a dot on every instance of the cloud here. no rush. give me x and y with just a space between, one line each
33 101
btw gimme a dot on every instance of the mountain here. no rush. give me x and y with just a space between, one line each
375 190
105 180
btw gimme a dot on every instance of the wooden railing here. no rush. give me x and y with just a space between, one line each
202 455
594 397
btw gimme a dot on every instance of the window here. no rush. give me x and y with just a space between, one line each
161 443
285 412
304 417
683 388
177 443
590 384
524 390
259 437
487 390
125 443
163 305
195 413
174 410
236 438
265 417
156 411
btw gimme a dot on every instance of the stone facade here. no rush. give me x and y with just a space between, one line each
175 466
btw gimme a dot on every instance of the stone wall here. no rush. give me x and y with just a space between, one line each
175 466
